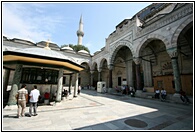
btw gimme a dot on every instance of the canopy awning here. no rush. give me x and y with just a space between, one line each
44 57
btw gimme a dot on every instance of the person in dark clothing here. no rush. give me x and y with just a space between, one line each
183 97
65 93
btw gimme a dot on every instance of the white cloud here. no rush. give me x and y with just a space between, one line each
28 21
88 44
93 47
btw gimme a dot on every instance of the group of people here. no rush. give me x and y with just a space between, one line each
66 93
22 99
162 92
33 97
125 90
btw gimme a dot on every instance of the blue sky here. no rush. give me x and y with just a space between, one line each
59 21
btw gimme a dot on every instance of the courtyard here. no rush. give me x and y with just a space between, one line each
99 111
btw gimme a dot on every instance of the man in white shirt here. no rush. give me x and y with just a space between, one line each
163 94
157 93
123 89
34 96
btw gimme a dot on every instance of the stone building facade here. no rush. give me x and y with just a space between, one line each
151 50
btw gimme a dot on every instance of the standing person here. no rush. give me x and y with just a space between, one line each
34 96
79 89
104 88
22 99
127 89
123 89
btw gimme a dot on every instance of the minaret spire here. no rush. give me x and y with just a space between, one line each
80 32
81 20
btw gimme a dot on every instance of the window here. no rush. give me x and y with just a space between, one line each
160 84
39 76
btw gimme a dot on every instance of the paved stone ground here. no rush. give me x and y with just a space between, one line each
96 111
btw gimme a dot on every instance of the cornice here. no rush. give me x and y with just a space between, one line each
165 20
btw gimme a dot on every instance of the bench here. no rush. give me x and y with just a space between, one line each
147 95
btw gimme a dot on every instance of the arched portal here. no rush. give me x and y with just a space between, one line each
185 58
122 73
94 75
155 65
104 72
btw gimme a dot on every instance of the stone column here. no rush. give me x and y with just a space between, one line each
173 53
70 83
129 73
59 86
91 77
15 84
76 86
110 67
138 74
6 76
147 70
99 74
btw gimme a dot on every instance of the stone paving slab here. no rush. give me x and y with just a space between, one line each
96 111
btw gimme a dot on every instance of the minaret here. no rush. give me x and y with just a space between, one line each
80 32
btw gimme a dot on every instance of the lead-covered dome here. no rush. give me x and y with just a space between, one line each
66 48
83 51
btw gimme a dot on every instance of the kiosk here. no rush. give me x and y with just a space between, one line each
100 86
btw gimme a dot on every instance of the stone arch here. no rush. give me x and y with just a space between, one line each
85 62
93 65
117 46
179 30
148 39
102 61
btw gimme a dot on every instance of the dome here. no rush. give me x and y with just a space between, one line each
83 51
67 48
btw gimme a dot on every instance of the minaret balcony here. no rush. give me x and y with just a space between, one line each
80 33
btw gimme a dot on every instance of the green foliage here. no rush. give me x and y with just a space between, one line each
77 47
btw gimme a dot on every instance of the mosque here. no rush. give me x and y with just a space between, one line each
152 50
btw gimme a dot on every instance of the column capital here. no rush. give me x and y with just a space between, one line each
92 71
137 60
110 67
99 69
173 52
